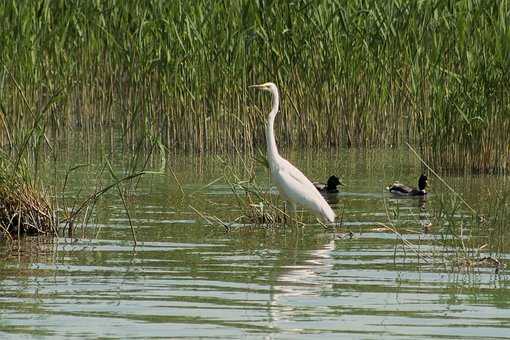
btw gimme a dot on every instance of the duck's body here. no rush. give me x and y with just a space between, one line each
404 190
331 187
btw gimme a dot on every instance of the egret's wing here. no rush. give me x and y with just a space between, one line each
294 185
296 174
295 188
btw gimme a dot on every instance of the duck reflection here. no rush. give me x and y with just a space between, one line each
419 204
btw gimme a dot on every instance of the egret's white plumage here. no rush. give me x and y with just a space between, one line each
292 184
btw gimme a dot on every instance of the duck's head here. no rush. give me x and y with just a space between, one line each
334 181
422 182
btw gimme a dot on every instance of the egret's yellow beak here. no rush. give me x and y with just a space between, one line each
256 86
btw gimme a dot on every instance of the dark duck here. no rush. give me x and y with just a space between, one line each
330 187
403 190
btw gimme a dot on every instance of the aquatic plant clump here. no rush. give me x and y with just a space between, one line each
23 209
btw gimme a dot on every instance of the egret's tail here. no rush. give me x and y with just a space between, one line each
328 214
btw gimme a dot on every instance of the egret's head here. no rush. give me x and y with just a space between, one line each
271 87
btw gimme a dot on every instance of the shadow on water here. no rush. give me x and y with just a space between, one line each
187 278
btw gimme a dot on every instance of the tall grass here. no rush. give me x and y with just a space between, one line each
352 73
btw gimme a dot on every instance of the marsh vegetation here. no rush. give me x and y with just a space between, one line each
355 74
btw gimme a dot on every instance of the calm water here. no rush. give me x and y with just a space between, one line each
187 278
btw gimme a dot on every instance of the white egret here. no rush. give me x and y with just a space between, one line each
292 184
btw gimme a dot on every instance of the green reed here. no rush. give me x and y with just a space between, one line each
355 73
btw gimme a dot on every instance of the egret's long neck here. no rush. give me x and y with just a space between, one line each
272 150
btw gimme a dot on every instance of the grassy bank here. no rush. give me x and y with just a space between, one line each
359 73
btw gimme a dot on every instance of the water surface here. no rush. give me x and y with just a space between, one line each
187 278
